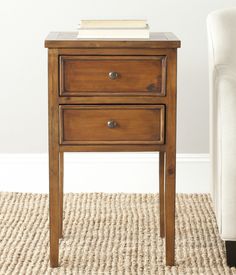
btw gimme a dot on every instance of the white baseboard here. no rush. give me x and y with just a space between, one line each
103 172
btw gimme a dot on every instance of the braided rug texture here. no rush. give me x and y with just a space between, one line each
109 234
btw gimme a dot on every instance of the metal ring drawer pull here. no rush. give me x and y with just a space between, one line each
113 75
111 124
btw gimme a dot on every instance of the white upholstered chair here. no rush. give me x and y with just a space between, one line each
222 66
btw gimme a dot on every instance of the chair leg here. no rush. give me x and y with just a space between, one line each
170 207
162 192
231 253
61 179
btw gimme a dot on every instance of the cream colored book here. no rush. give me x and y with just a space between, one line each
113 24
113 33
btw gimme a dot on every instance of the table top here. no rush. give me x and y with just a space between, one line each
70 40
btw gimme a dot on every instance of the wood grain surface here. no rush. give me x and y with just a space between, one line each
86 75
134 124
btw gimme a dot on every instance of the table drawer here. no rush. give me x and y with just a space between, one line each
112 124
103 75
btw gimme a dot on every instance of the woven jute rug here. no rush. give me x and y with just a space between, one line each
109 234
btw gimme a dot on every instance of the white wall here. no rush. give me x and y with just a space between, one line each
107 172
24 25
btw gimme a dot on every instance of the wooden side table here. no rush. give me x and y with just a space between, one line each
112 95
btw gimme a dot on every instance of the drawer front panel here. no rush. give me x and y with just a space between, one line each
112 124
102 75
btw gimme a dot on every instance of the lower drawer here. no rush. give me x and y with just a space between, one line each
109 124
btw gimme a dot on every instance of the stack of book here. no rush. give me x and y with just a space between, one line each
113 29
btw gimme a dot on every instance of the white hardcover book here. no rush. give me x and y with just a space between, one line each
113 23
114 33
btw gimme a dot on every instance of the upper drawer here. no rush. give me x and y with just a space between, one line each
116 75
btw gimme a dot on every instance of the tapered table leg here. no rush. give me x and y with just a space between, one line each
54 207
170 159
162 192
61 179
170 208
53 129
